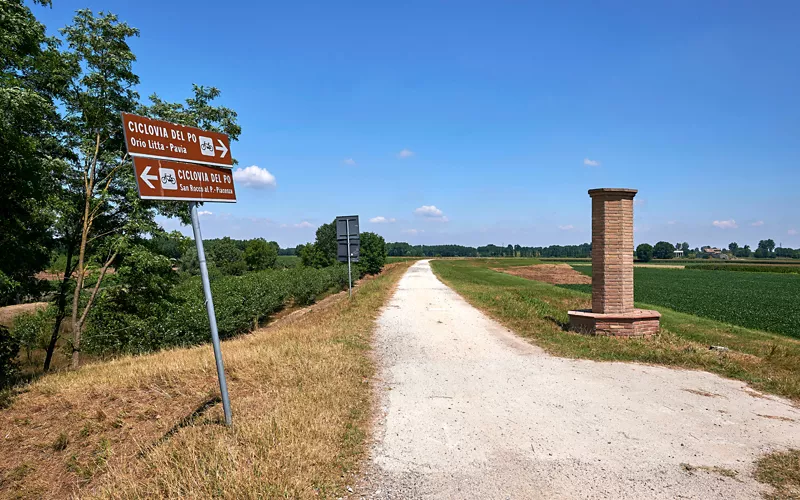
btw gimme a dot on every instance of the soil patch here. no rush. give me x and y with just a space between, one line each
555 274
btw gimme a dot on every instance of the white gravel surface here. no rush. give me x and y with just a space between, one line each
469 410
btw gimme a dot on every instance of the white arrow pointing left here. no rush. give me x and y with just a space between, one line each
147 178
222 148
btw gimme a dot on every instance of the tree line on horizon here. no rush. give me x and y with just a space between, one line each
403 249
766 249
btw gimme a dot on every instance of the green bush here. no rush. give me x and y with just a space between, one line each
33 329
9 348
240 302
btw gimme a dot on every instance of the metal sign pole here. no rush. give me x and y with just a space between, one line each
212 318
349 273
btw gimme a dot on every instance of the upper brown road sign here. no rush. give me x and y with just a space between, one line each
150 138
171 180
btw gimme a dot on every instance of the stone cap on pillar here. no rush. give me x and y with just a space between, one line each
621 192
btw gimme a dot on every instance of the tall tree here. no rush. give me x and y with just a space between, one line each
108 212
644 252
33 75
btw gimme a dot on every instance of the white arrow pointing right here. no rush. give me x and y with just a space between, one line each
147 178
222 148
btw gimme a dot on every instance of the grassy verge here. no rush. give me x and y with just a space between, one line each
781 470
149 426
538 311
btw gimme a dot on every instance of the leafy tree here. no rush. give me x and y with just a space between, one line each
97 186
685 247
326 242
100 192
227 257
260 255
663 250
321 253
373 253
744 251
768 245
33 76
644 252
733 247
173 244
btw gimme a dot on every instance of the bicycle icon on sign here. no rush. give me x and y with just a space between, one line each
167 177
206 146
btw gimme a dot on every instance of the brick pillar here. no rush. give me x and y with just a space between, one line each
612 250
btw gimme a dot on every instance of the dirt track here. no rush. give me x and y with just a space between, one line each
555 274
469 410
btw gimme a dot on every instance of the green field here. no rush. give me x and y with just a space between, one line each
764 301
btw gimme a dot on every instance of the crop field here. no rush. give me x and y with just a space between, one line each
763 301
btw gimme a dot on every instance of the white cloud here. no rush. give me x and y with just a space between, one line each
591 163
254 176
791 232
349 161
428 211
726 224
567 227
303 224
381 220
413 231
205 212
757 223
405 153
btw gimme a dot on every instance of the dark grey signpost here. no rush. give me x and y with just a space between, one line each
348 243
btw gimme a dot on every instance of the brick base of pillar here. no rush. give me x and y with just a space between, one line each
636 323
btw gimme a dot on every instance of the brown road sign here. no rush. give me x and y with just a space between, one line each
171 180
150 138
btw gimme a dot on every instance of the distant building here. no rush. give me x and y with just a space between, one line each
714 252
678 253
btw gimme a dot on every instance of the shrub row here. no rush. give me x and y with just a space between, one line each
753 268
241 303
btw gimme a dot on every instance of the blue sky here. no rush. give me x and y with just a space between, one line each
501 115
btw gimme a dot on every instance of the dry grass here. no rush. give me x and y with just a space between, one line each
149 426
8 313
701 392
722 471
781 470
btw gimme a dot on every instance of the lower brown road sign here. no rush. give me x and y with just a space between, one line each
172 180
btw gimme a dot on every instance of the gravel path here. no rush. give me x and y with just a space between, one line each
469 410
